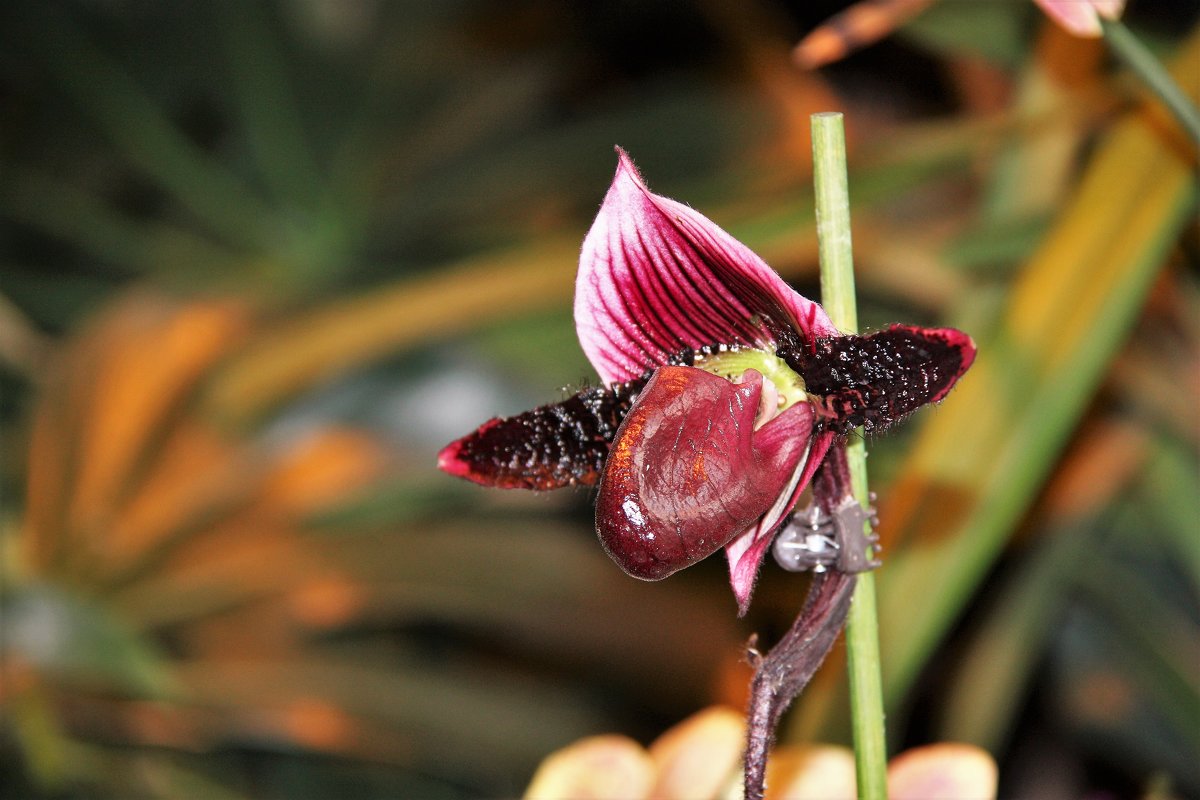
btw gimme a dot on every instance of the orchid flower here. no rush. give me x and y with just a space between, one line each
724 392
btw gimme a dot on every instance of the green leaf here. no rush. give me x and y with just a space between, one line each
982 458
81 641
1169 487
1007 643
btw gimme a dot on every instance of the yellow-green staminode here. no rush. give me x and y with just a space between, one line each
730 363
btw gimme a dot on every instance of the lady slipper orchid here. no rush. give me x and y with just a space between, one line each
723 393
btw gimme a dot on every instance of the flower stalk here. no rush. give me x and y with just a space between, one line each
838 297
1134 55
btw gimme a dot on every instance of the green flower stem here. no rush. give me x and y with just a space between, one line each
1143 64
837 295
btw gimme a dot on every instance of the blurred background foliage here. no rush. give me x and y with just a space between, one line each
260 260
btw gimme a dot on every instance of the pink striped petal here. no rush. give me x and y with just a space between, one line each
656 277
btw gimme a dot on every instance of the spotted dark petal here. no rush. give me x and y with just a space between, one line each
552 446
877 379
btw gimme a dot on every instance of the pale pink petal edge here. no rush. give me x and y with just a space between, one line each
745 553
1078 17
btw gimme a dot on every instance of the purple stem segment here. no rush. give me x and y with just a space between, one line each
783 673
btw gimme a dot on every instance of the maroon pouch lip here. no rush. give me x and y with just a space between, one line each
688 473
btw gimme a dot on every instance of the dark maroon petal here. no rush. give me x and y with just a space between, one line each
746 552
561 444
877 379
656 277
687 472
